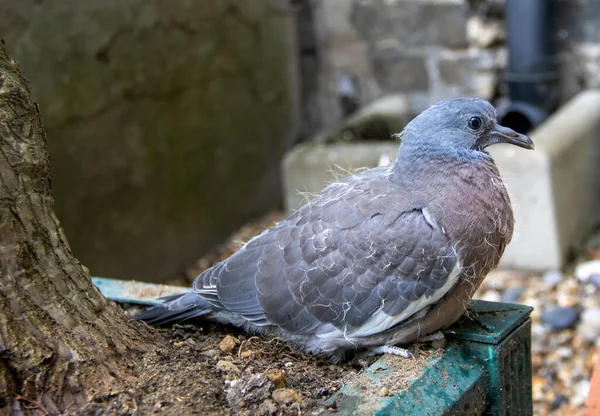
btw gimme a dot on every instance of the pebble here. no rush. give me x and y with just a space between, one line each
384 391
558 317
268 407
591 317
247 354
226 367
584 271
512 294
212 353
595 279
286 396
278 379
558 401
492 296
581 391
552 278
228 344
438 343
589 328
564 352
249 388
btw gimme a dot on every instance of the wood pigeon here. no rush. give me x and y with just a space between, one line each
383 258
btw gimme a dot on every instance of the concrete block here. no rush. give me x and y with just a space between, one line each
555 189
309 168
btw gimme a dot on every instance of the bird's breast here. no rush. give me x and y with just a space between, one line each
474 209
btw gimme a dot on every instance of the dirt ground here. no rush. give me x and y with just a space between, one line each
218 370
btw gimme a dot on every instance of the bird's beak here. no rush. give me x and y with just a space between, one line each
501 134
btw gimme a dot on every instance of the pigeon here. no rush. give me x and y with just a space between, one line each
383 258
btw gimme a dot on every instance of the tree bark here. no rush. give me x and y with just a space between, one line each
61 341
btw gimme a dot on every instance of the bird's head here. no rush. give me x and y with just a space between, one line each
462 126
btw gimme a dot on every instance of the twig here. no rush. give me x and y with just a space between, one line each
34 404
244 343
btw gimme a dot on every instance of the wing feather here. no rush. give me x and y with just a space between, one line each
350 262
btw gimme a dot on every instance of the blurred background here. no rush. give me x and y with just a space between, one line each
178 128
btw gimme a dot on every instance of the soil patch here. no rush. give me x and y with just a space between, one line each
195 371
218 370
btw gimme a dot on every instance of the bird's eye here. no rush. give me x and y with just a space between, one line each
475 123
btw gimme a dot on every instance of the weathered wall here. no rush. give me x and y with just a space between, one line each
166 120
428 50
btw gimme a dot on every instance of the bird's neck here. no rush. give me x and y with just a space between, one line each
412 160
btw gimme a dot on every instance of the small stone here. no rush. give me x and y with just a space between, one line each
212 353
584 271
228 344
512 294
278 379
580 393
535 303
558 401
536 361
552 278
439 344
247 353
286 396
268 407
251 388
589 328
564 352
559 317
226 367
591 316
384 391
288 364
491 296
595 279
538 383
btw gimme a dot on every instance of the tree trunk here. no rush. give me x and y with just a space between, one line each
61 341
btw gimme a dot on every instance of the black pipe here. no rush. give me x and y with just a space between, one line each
532 71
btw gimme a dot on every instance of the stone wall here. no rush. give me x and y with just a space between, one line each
166 120
428 50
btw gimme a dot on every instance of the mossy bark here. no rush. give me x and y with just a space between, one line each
61 341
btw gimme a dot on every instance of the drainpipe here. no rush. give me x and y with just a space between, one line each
532 69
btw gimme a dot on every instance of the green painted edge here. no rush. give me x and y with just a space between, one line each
447 382
490 322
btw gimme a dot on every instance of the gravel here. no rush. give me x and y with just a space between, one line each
559 318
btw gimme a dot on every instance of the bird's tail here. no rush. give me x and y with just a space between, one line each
175 309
